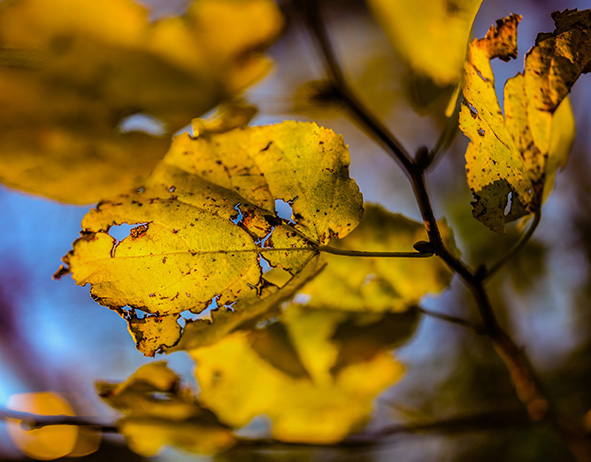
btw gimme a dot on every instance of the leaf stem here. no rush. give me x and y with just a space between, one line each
466 423
363 253
453 320
523 240
34 421
523 376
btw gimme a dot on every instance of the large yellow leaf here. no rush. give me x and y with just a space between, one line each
518 154
71 71
378 284
206 222
158 412
300 373
431 35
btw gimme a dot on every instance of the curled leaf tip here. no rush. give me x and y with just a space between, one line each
501 39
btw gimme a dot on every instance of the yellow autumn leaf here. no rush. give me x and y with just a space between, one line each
158 412
72 71
378 284
431 35
517 154
52 441
205 221
201 332
298 378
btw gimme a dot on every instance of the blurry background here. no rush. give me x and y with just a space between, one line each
54 337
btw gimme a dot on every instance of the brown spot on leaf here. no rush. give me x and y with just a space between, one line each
138 231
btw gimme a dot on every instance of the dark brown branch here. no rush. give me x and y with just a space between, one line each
453 320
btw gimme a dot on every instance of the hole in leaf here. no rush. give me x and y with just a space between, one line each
480 132
126 312
263 242
120 232
284 210
302 299
140 314
239 217
159 396
189 316
480 75
473 111
509 203
264 264
369 278
142 123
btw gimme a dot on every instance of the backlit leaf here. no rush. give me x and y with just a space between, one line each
72 71
430 35
312 388
378 284
205 223
518 154
157 412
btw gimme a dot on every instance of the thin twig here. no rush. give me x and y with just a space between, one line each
363 253
313 19
34 421
480 330
523 240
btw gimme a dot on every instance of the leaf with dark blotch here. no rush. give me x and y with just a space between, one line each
205 231
515 156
